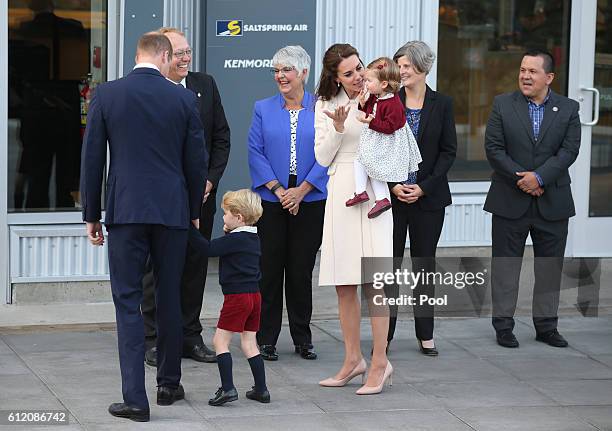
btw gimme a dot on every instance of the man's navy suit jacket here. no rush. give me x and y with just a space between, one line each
158 164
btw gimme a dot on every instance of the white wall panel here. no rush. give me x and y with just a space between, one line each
465 223
55 253
187 16
375 28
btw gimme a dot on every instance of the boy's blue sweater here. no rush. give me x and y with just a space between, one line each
239 254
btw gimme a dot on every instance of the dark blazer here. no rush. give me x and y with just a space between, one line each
437 143
511 148
157 162
216 129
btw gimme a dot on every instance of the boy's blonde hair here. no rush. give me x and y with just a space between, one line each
244 202
386 70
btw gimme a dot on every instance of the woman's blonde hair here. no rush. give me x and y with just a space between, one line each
244 202
386 70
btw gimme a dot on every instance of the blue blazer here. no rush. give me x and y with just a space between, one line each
270 147
157 156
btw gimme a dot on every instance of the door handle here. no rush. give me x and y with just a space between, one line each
595 92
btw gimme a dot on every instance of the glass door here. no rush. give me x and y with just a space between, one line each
591 85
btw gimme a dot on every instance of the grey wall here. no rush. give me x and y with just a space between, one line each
140 17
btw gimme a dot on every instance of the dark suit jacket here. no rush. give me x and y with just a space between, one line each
437 143
216 129
157 162
511 148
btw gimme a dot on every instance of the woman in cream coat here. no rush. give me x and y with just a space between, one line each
348 234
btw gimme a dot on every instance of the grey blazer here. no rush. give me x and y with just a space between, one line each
510 147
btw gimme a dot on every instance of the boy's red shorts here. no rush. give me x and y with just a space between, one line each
240 312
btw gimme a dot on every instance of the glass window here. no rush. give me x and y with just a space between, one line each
57 54
480 47
600 204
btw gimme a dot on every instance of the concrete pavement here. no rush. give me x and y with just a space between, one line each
473 385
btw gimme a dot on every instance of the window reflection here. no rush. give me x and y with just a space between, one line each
600 204
480 47
57 53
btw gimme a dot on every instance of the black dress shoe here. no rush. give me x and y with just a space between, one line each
507 339
427 351
262 397
122 410
200 353
167 396
306 351
552 338
221 397
151 357
268 352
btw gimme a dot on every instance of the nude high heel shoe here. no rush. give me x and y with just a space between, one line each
371 390
360 369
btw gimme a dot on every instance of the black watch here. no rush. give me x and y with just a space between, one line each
275 187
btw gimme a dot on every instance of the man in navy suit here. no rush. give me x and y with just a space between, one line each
217 143
154 188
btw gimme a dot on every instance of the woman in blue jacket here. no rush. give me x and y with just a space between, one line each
292 186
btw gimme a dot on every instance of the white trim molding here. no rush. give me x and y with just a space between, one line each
4 247
55 253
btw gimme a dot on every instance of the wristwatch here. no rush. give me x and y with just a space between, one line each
275 187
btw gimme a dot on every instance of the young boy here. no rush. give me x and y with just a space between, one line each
239 252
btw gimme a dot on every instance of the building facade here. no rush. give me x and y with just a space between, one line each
53 53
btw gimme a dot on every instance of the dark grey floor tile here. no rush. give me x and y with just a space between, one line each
523 418
156 424
494 393
68 362
577 392
293 422
11 364
599 416
25 391
604 359
529 348
553 368
450 369
60 341
397 397
401 420
591 343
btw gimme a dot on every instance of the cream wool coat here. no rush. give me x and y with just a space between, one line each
348 234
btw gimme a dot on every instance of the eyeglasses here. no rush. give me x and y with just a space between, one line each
181 54
285 71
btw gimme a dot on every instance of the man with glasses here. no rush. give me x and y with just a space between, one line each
217 142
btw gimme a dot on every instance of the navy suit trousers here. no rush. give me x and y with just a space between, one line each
128 248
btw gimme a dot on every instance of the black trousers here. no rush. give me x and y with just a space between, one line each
129 245
424 228
509 236
192 286
289 246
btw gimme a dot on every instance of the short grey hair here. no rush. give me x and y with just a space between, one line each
295 56
419 54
